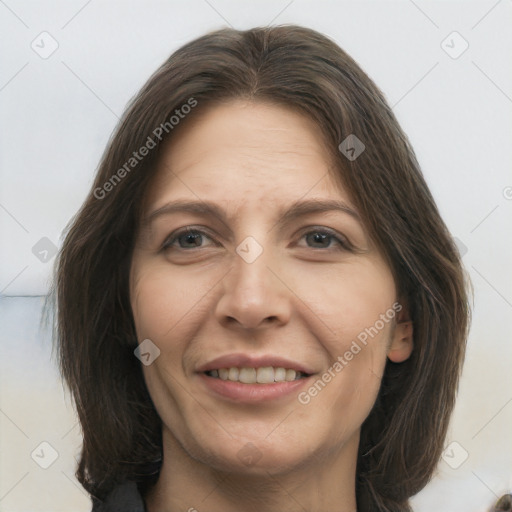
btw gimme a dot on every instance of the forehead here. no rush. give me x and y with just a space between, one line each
243 151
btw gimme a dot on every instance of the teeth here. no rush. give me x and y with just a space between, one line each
279 374
233 374
247 375
264 375
290 375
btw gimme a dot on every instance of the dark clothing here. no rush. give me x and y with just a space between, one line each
124 498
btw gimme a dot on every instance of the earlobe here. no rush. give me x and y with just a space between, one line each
402 342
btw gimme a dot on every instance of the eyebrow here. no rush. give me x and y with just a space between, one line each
297 209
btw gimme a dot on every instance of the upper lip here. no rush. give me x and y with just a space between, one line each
253 361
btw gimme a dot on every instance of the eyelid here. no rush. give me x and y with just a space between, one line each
341 239
185 230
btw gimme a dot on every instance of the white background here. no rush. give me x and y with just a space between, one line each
58 113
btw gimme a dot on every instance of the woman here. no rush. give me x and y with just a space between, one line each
260 307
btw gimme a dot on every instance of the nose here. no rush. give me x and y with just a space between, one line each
254 295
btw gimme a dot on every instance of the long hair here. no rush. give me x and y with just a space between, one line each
403 436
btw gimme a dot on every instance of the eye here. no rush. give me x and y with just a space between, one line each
323 238
186 239
318 238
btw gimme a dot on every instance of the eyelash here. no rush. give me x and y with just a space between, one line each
342 242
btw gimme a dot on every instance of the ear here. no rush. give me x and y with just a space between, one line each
401 343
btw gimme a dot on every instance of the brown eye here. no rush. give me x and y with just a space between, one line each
325 239
186 239
190 240
319 240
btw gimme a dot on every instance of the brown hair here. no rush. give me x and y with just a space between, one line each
504 504
402 438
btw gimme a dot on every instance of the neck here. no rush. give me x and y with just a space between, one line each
185 484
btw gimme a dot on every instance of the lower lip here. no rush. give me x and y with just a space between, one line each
252 393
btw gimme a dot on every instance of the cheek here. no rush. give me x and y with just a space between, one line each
165 303
345 392
355 306
349 299
168 308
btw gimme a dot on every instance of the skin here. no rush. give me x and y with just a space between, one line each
301 299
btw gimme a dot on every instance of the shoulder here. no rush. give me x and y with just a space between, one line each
123 498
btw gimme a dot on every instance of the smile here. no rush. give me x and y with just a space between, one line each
253 378
262 375
244 386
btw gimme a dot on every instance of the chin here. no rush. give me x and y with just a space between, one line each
252 457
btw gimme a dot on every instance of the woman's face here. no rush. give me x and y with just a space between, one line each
252 265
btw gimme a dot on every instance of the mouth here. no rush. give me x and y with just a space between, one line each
253 375
253 378
253 384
